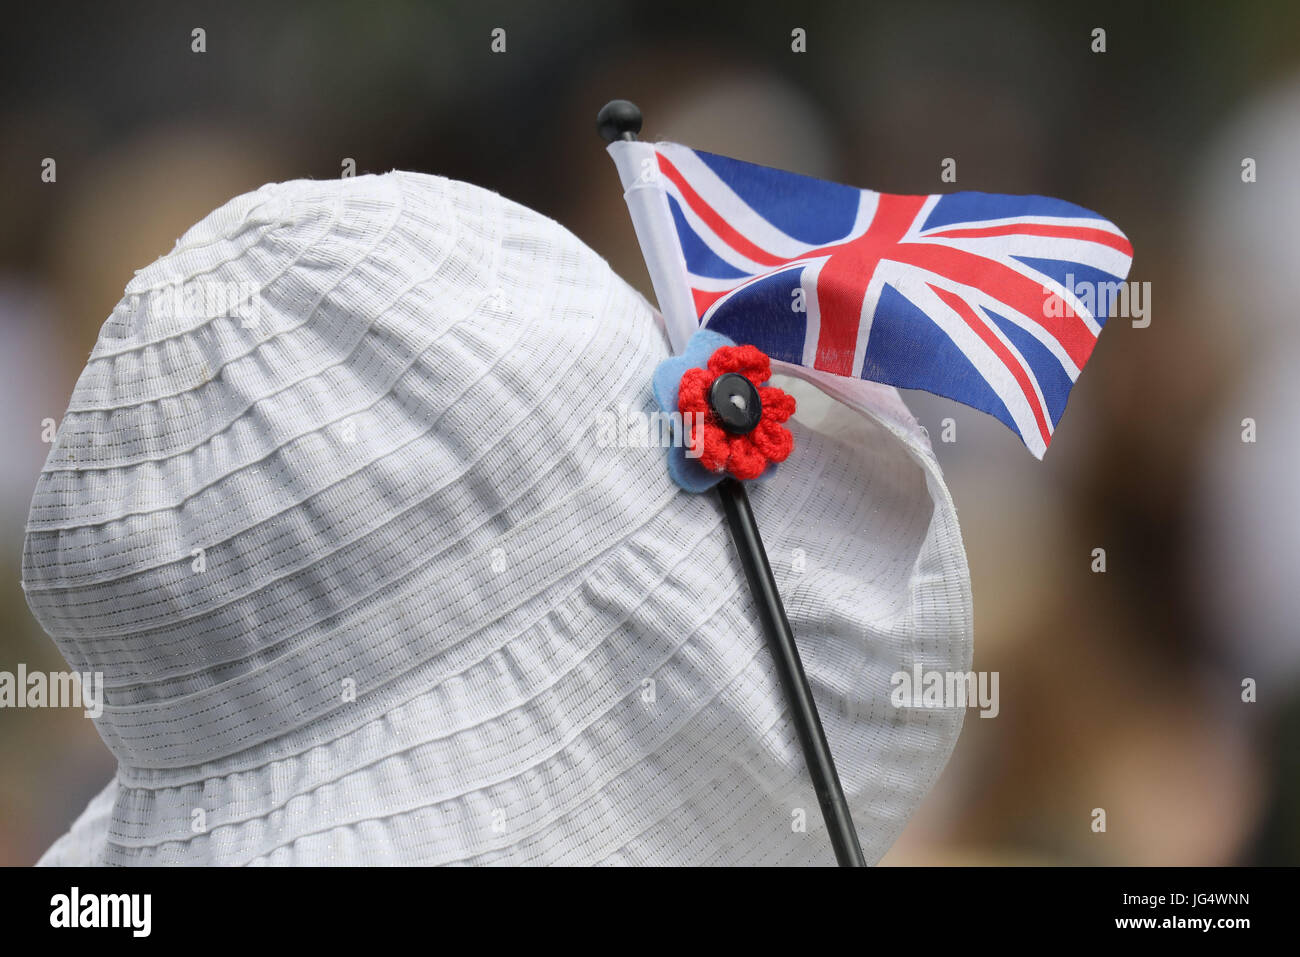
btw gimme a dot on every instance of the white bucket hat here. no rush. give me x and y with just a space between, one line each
327 512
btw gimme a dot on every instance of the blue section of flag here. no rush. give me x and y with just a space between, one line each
908 350
957 208
1053 380
762 315
809 210
703 260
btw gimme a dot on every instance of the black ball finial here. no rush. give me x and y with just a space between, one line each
618 120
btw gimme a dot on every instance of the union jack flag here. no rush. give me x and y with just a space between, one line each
995 301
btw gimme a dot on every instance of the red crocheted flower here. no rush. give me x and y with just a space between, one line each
744 456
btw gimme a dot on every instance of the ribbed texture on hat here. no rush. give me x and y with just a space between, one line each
394 479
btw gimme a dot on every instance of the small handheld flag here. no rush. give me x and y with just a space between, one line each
619 121
993 300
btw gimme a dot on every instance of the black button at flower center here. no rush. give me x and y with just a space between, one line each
735 401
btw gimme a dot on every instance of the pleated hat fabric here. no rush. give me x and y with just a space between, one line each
331 511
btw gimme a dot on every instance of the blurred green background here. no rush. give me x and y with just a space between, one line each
1120 690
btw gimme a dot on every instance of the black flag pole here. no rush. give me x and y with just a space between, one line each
621 120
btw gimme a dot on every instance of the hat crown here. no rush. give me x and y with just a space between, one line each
327 397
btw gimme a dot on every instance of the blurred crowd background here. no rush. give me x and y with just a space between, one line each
1120 690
